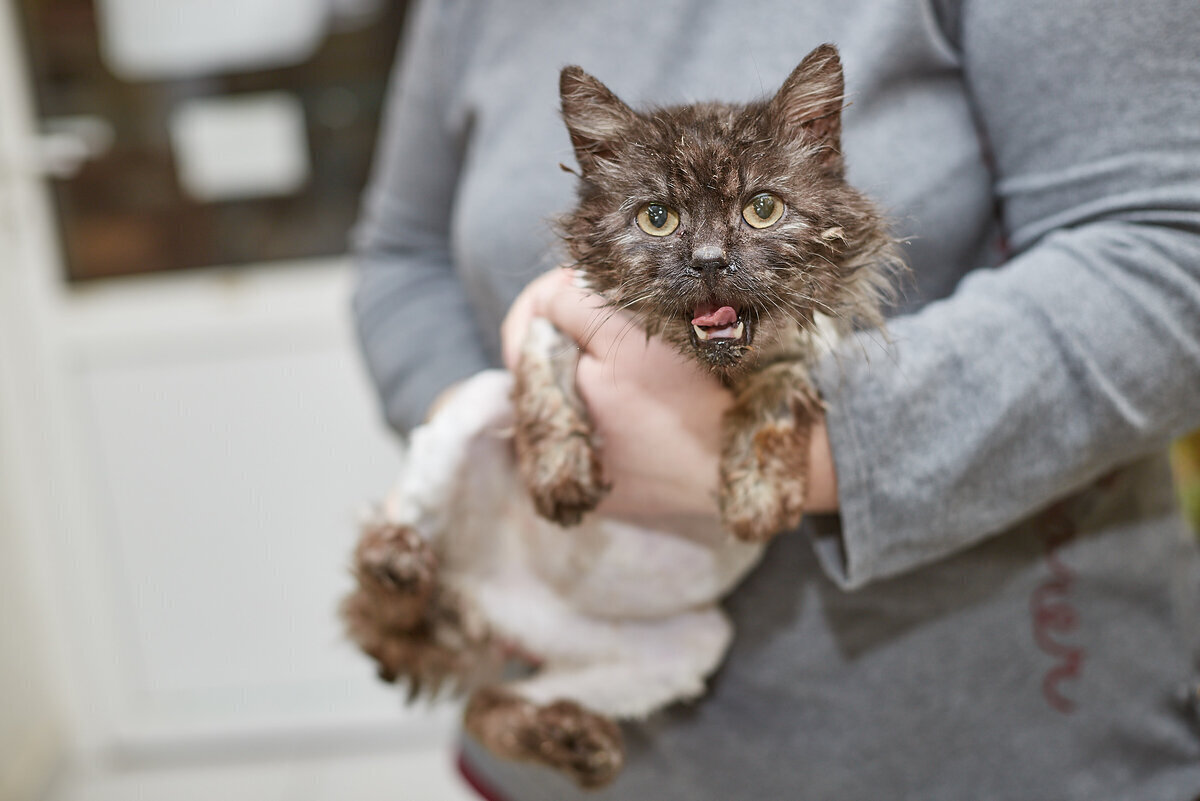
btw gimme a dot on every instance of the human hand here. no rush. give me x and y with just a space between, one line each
657 413
441 400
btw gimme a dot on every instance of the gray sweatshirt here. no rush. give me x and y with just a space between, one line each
1007 606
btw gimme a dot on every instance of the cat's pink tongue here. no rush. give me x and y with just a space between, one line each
708 315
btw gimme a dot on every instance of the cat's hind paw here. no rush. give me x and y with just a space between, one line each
417 632
409 656
397 567
562 735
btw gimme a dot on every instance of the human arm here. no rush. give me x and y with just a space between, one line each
1033 379
1082 351
414 322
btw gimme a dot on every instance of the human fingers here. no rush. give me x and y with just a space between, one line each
660 454
512 330
583 316
524 309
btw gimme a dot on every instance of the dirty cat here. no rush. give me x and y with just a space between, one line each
728 231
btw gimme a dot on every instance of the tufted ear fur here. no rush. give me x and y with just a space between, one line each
809 104
595 117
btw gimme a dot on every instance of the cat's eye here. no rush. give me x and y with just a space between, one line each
763 210
657 219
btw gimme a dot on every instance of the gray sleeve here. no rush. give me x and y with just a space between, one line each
414 322
1083 350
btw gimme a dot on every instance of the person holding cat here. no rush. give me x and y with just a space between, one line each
1001 602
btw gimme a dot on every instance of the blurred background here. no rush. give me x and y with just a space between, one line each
186 436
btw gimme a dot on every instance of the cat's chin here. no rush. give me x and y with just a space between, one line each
727 350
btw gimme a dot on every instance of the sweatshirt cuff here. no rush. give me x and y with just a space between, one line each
842 546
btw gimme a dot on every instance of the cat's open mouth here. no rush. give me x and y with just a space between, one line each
715 325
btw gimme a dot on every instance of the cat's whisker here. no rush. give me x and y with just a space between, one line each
593 329
616 343
824 307
784 312
633 323
800 298
599 320
870 332
615 349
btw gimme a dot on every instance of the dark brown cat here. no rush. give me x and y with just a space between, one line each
730 232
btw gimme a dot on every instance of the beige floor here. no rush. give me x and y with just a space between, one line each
413 775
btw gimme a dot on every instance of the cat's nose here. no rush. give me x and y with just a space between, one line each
709 259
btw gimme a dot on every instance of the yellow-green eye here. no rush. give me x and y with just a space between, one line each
657 219
763 210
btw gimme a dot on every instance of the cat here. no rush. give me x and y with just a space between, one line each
728 231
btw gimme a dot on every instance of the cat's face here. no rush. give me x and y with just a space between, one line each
725 229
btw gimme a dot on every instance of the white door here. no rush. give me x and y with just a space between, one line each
187 455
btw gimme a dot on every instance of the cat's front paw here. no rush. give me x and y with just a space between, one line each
564 478
561 735
752 512
557 456
763 480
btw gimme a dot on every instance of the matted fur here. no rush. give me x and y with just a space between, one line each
416 629
554 436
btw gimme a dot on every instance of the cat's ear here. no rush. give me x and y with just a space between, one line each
809 103
595 117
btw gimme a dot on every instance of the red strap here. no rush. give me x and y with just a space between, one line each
477 783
